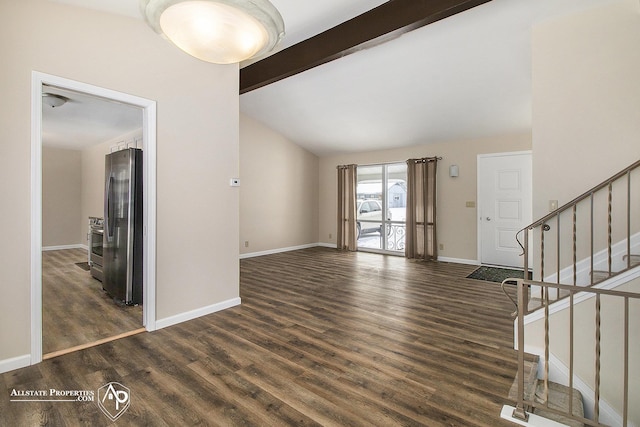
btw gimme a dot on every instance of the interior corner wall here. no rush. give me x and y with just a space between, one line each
586 100
197 152
457 224
61 197
278 192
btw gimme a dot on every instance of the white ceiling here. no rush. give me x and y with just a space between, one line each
86 120
467 76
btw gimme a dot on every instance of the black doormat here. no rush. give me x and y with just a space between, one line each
83 265
496 274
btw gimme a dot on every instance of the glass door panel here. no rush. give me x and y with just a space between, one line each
381 207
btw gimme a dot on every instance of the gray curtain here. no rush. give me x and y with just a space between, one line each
421 242
347 207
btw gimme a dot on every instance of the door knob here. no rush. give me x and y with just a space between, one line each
488 219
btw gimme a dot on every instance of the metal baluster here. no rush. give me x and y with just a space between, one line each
519 411
575 246
558 254
546 348
592 238
571 333
628 219
609 226
596 407
543 291
625 410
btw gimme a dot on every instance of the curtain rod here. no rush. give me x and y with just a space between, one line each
425 159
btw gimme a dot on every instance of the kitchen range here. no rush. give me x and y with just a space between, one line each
96 231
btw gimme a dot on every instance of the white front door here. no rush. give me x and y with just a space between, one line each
504 206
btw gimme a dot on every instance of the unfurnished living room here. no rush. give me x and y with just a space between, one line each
252 212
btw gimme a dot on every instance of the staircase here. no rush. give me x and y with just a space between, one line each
558 396
583 251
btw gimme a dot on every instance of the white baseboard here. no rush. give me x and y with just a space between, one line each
328 245
63 247
15 363
280 250
193 314
459 260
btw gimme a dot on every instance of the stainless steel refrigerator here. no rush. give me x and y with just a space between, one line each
122 238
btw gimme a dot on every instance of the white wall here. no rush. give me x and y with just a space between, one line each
279 191
197 151
457 224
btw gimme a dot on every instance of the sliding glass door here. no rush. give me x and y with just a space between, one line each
381 207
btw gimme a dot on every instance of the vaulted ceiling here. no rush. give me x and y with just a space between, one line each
463 77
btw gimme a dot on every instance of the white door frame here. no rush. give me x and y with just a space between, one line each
39 79
478 204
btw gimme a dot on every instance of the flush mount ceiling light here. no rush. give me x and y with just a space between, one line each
218 31
53 100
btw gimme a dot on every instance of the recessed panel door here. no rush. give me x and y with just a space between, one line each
504 206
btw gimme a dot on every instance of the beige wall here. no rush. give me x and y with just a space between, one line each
197 150
279 192
586 121
61 197
586 100
457 224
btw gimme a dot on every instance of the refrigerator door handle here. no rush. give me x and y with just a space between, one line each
110 217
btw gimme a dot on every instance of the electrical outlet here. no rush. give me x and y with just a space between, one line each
246 243
471 204
441 246
330 236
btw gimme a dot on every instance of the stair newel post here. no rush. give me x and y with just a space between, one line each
519 411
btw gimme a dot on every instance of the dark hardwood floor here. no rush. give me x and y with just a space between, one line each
322 338
75 309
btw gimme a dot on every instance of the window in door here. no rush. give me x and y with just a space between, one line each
381 207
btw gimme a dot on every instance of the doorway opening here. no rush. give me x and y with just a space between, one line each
381 203
68 90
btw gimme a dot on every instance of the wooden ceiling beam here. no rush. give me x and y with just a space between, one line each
385 22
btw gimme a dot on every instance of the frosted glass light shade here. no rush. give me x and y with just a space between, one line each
218 31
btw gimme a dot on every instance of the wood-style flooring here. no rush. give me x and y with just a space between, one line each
322 338
75 309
